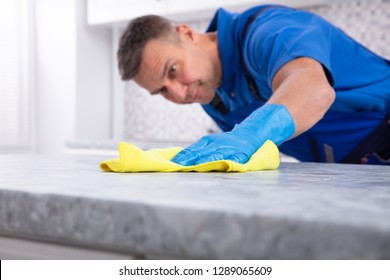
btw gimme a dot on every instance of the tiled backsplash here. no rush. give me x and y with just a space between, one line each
152 117
367 21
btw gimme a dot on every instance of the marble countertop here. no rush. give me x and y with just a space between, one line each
300 211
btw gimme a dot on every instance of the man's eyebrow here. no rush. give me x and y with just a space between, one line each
165 69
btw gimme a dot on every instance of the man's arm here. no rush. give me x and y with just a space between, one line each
302 86
301 96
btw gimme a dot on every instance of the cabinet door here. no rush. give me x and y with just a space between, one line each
119 11
111 11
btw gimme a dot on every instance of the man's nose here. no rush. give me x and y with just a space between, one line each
178 90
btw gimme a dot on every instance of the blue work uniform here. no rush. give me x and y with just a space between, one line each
277 35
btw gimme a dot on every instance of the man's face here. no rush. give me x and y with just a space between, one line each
181 71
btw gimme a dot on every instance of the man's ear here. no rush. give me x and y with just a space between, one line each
187 33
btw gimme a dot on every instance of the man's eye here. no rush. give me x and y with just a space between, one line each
172 71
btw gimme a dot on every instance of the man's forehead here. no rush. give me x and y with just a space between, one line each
149 73
153 52
155 44
156 55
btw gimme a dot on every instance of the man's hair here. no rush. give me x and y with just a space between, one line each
137 34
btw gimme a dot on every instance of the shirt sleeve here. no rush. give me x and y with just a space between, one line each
283 35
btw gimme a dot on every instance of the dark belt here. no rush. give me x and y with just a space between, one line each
377 142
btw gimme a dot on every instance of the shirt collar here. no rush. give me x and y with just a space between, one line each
223 22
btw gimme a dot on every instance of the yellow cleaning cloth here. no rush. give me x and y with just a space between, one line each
133 159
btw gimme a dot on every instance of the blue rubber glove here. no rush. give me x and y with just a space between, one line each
269 122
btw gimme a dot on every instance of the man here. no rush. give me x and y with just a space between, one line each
271 72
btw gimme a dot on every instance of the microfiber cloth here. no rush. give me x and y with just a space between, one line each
133 159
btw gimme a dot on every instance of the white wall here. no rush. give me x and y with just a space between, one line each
55 73
93 78
72 72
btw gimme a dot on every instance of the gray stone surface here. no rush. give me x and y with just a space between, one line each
300 211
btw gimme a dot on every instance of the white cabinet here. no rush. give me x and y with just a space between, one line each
119 11
113 11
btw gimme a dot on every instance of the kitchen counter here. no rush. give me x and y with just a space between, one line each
300 211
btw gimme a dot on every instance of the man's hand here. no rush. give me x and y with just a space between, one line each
271 122
228 145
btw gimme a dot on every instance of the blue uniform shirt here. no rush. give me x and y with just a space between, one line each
361 79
